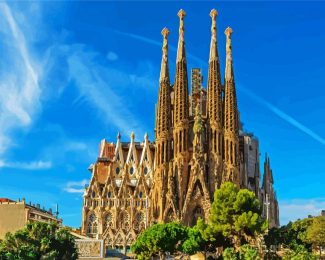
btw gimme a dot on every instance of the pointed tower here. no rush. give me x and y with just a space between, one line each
164 108
214 109
181 109
269 199
181 116
231 120
163 136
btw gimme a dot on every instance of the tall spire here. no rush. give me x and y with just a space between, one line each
164 106
181 116
231 112
231 120
214 104
181 81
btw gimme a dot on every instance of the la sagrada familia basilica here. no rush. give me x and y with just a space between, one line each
198 145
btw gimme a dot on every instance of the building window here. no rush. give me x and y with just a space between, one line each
93 194
117 170
107 220
145 170
92 224
131 170
109 194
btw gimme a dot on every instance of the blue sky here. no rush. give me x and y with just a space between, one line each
72 73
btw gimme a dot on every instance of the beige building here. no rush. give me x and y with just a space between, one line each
14 215
197 146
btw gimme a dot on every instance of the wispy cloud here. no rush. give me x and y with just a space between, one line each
112 56
289 119
76 186
33 165
291 210
108 89
20 90
159 44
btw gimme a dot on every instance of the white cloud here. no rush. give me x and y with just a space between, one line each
19 78
76 186
291 210
33 165
112 56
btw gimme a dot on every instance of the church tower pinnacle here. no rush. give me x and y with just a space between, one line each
163 133
214 107
231 119
164 107
181 82
181 116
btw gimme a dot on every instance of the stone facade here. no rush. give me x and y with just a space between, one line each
198 145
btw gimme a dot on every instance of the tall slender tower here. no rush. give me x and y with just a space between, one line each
163 134
231 120
214 108
181 114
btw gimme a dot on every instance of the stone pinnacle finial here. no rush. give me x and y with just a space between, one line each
146 136
132 136
164 62
214 13
165 32
118 136
228 31
181 14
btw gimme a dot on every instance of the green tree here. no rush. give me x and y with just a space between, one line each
159 239
248 252
315 233
298 253
229 254
38 241
236 214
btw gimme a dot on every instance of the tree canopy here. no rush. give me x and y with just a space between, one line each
235 219
39 241
158 239
315 233
236 214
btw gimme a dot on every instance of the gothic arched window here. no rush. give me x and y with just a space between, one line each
108 220
92 224
124 220
131 170
139 221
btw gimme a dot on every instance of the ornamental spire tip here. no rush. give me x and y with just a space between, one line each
214 13
181 13
165 32
228 31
